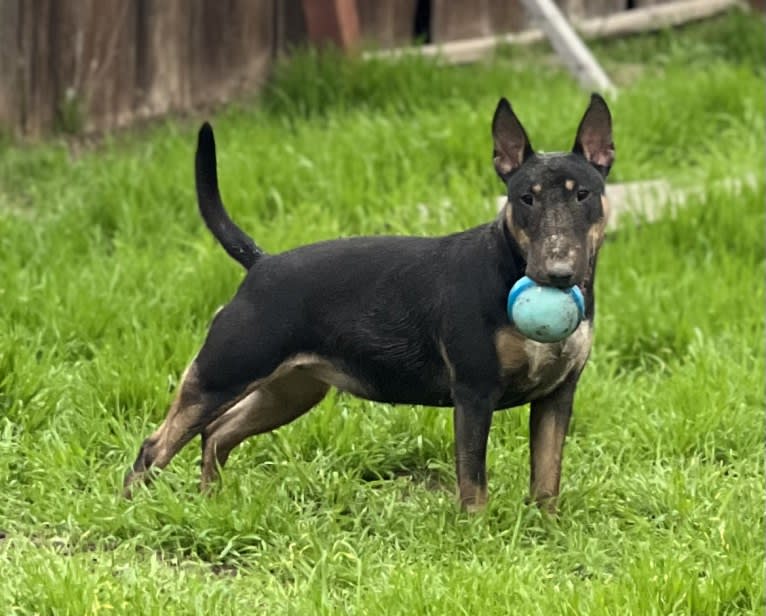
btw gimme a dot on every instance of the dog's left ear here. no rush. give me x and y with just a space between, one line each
512 146
594 135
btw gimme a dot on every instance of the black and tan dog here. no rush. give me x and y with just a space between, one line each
405 319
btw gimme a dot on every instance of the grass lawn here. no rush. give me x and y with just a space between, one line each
108 280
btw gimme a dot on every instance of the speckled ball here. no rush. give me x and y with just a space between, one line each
545 314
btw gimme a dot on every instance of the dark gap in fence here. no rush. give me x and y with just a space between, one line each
422 22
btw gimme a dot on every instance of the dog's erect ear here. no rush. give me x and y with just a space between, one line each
594 136
512 146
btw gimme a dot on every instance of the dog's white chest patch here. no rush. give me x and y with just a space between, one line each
548 364
536 368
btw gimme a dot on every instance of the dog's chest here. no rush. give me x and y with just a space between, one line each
532 369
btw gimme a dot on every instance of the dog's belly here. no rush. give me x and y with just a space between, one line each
427 385
528 370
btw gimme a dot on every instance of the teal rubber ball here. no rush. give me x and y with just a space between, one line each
545 314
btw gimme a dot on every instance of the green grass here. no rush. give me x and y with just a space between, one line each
108 281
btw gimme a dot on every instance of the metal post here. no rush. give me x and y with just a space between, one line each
568 45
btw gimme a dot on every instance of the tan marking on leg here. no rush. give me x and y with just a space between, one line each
547 458
194 410
548 423
473 497
270 406
570 184
190 411
177 428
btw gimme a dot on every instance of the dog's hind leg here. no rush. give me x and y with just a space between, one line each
193 408
271 405
228 363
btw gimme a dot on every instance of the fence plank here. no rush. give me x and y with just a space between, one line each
162 56
332 21
35 83
232 44
452 20
652 2
103 73
578 9
10 24
387 23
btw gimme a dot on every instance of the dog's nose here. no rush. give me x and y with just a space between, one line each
560 274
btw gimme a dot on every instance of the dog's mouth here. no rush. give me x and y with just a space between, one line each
557 280
564 268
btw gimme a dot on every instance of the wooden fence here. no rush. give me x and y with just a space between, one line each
85 65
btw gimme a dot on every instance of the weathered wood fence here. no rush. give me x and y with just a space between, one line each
99 64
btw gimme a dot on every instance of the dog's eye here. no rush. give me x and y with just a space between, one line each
527 199
582 194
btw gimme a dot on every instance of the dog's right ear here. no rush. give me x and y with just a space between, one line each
512 146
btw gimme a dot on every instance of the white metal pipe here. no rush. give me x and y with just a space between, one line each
568 45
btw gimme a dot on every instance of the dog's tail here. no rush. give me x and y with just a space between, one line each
235 241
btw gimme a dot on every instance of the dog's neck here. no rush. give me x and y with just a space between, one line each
509 247
501 224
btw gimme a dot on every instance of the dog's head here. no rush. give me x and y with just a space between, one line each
556 209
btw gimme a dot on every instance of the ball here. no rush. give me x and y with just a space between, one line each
545 314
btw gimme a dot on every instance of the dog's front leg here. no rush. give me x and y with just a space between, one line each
548 424
473 416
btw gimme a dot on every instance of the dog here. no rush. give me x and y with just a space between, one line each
410 320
